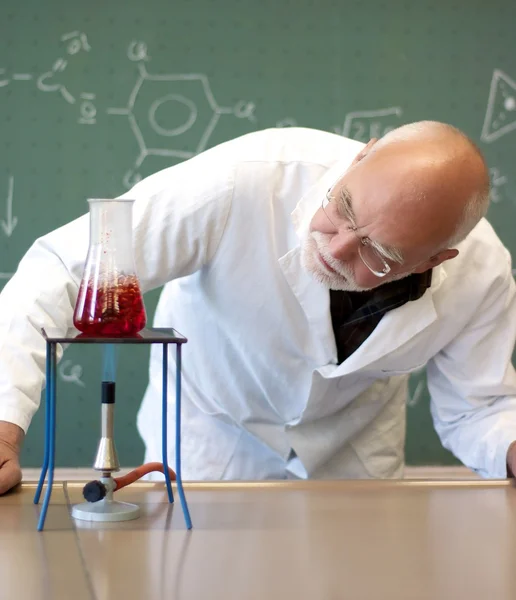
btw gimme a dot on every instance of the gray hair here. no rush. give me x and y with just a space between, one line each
477 205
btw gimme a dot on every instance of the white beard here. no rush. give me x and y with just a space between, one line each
343 279
316 245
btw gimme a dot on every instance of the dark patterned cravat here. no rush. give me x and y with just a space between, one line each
355 315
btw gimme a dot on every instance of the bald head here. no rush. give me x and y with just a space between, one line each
410 197
438 179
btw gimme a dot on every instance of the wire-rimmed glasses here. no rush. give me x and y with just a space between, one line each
367 250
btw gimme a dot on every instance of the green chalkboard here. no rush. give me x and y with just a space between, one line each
95 95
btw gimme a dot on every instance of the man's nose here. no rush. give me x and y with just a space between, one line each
343 246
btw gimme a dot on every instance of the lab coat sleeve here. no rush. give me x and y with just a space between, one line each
179 217
472 382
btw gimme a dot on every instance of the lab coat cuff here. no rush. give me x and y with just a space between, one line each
501 457
496 462
16 416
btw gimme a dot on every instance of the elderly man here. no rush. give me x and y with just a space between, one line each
311 275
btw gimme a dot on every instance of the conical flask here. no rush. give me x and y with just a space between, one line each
110 301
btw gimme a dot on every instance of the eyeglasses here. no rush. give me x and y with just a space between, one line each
367 250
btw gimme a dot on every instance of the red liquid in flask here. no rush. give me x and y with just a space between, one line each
110 310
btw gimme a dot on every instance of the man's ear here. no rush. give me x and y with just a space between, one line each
364 151
437 259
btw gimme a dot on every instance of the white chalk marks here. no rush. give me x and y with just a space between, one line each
418 393
286 122
10 222
363 125
500 116
71 373
50 80
161 107
498 183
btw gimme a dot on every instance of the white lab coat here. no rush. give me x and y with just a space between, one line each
263 395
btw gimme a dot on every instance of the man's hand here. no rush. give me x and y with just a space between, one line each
11 438
511 460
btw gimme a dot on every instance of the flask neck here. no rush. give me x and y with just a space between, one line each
111 224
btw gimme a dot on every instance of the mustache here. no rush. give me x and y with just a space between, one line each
322 241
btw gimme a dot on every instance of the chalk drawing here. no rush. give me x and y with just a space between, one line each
498 181
47 83
419 390
14 77
192 108
137 51
286 122
178 104
366 124
71 373
500 117
10 222
87 110
76 41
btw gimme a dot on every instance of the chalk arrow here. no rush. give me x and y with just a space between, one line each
9 225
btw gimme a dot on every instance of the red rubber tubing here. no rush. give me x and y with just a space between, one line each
139 472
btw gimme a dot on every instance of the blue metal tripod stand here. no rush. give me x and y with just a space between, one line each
163 336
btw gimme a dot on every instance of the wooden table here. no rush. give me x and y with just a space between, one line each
318 540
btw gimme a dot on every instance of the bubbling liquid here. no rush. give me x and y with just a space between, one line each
110 309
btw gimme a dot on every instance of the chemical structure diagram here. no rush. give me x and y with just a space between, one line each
48 81
162 107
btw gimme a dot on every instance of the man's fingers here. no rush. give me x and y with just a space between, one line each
511 460
10 475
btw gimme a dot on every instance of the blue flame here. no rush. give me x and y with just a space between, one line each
109 362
